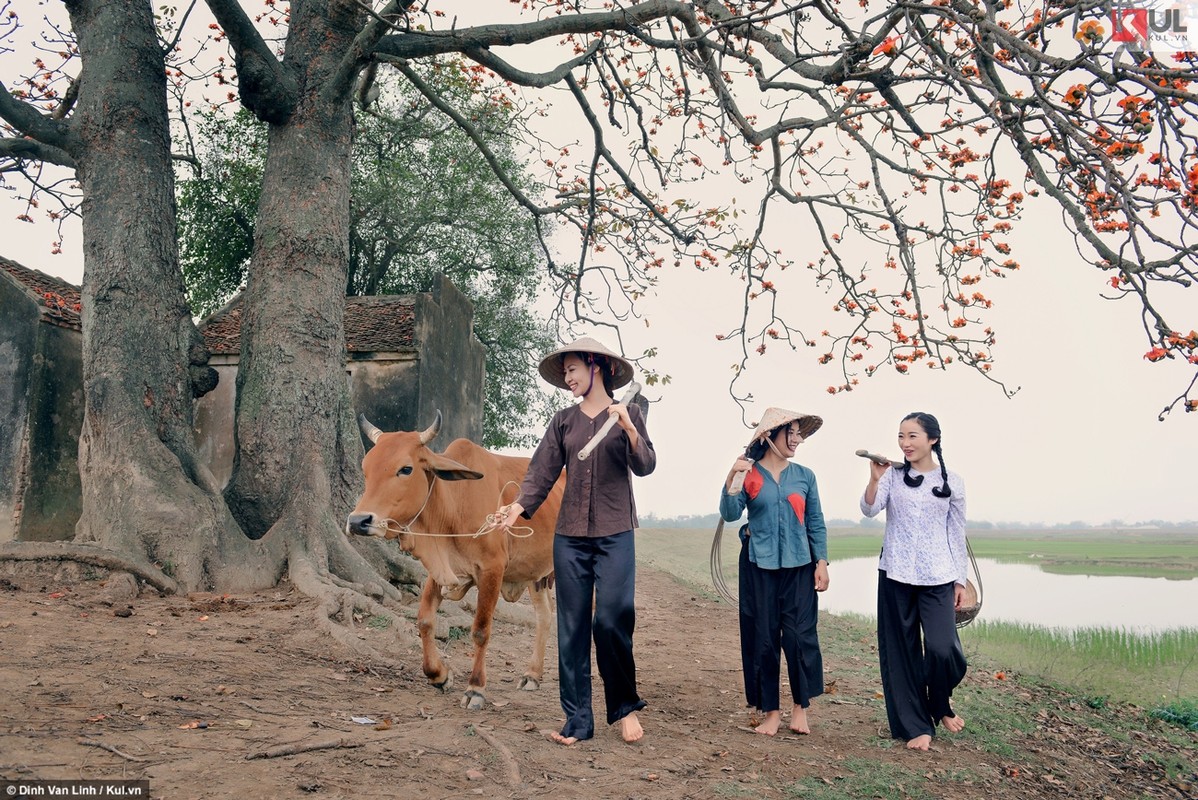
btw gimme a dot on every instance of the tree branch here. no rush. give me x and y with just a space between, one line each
437 101
32 150
420 44
45 129
532 79
363 47
265 85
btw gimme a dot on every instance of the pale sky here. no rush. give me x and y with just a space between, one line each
1079 442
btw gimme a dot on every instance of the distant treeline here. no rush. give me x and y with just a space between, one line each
709 521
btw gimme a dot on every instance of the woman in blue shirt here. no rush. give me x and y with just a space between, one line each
784 562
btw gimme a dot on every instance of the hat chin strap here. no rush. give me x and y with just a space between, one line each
774 447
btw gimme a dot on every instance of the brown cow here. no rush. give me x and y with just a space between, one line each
412 494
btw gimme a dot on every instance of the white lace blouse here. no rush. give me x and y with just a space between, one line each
925 535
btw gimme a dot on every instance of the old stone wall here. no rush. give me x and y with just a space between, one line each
41 412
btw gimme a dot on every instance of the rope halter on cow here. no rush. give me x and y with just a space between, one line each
493 522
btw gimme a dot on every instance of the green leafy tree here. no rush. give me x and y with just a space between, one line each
423 202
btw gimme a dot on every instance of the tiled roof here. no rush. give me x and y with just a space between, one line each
381 324
60 301
222 329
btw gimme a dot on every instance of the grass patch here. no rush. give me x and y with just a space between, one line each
1183 713
1137 554
378 622
1091 552
866 778
685 552
1102 663
996 721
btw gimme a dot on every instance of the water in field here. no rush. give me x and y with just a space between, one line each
1024 593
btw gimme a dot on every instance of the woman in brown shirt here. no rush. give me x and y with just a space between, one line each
593 552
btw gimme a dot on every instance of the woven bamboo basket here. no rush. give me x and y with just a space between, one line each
971 604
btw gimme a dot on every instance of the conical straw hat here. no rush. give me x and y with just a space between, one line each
551 365
774 417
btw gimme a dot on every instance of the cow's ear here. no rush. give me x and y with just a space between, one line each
449 470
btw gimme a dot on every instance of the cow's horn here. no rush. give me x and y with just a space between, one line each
428 434
372 433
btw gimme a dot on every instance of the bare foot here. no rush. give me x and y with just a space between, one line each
563 740
769 726
953 724
798 721
920 743
630 728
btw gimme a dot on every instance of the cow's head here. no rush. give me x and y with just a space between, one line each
399 471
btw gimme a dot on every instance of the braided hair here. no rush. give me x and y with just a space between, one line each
931 427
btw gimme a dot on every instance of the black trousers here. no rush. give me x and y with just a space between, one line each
747 602
779 614
919 653
602 568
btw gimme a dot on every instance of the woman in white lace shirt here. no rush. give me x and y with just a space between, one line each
921 583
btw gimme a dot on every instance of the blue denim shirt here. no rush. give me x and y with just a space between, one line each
786 522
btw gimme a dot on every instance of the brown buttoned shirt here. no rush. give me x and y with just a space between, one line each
598 497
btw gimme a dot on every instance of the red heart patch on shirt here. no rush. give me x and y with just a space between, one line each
799 504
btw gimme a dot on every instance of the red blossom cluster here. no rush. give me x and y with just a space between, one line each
56 301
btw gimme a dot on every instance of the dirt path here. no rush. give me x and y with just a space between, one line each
182 690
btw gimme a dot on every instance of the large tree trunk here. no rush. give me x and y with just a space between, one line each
297 470
144 492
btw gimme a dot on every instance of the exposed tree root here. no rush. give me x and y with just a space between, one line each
293 749
89 554
109 748
509 761
336 602
399 568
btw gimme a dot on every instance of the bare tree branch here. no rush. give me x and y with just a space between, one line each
31 150
32 123
266 86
